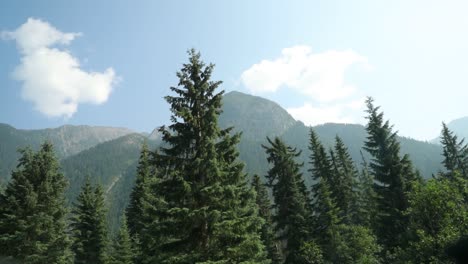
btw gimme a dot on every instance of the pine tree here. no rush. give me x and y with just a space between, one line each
264 209
123 251
324 173
135 210
33 210
291 216
327 220
345 183
208 213
454 152
142 204
89 226
393 175
366 198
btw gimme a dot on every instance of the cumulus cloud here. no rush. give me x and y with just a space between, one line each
51 77
320 76
335 113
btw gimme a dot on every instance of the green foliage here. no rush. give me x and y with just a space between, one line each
310 253
356 244
123 251
135 210
112 165
344 182
455 153
438 217
209 213
393 175
33 211
89 226
366 197
292 215
264 209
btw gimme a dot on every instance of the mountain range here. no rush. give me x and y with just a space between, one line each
109 155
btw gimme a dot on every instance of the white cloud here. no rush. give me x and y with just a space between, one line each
350 112
320 76
52 78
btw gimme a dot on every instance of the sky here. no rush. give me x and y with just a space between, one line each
110 63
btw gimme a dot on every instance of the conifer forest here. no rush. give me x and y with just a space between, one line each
193 202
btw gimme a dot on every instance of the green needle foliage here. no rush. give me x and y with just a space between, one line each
89 226
209 213
455 153
123 251
33 210
291 217
264 210
345 183
393 176
140 192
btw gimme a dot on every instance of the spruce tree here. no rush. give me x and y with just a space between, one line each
291 217
393 176
454 153
139 195
33 210
123 251
320 165
327 220
366 197
345 183
264 210
89 226
208 212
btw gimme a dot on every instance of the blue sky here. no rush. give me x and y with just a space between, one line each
111 62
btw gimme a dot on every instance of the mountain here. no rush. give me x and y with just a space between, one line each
109 156
254 116
459 127
68 140
250 114
111 164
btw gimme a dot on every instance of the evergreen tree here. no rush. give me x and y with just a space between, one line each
345 183
33 212
366 197
327 217
454 153
290 205
142 205
207 213
327 221
393 176
123 251
89 226
135 210
264 209
320 166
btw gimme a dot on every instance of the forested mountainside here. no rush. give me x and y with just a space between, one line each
68 140
110 159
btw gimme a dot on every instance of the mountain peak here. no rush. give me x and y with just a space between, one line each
251 114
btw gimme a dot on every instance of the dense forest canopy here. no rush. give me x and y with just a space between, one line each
190 199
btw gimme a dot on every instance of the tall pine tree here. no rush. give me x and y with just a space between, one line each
291 214
345 183
209 213
89 226
393 176
454 153
264 210
123 251
33 210
135 211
